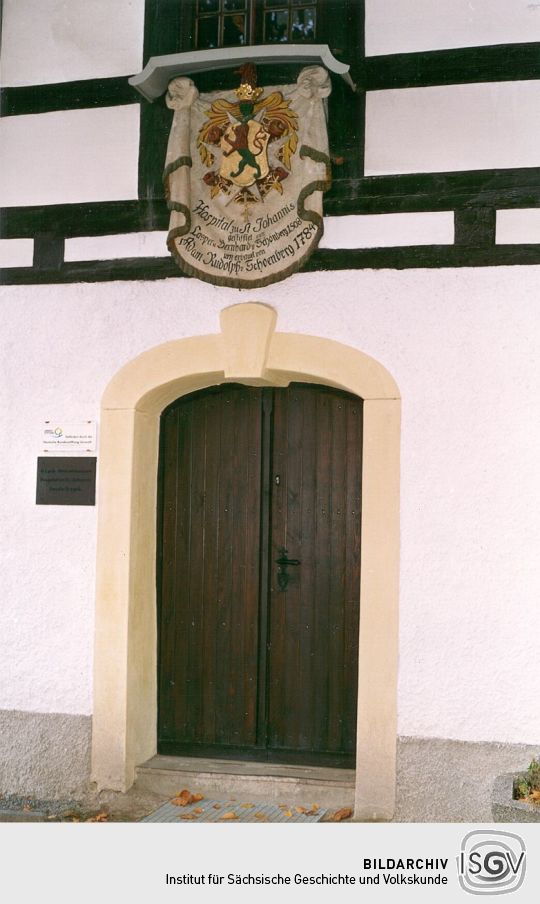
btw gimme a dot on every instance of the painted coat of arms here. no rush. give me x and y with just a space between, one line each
244 177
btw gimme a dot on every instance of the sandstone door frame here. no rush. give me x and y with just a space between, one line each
248 350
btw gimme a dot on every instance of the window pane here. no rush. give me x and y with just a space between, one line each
275 27
208 6
234 31
232 5
276 3
303 25
207 32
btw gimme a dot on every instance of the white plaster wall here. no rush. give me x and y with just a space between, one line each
404 26
453 127
16 252
389 230
47 41
110 247
462 345
516 227
377 231
69 156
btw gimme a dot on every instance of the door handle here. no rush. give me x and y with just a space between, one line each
283 563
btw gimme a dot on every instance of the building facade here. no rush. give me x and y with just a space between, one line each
421 300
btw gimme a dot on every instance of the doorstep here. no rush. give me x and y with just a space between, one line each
272 782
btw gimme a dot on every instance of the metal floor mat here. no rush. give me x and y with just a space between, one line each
233 811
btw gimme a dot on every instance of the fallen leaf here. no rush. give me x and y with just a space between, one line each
247 806
229 815
300 809
99 817
217 806
340 815
287 813
197 797
183 798
261 816
187 816
314 807
198 810
535 795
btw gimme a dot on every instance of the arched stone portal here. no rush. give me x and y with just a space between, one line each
248 350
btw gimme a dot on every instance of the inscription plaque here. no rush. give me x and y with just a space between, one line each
66 481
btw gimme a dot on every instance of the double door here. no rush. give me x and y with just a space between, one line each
259 574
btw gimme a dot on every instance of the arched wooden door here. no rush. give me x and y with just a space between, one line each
259 659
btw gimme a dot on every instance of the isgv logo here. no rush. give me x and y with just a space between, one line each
491 862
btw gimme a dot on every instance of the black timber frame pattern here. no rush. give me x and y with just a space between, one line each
473 196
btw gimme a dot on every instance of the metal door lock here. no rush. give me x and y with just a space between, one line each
283 563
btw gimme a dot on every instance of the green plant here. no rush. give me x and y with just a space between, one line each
521 788
529 783
533 774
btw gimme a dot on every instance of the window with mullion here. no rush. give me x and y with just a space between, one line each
293 22
223 23
233 23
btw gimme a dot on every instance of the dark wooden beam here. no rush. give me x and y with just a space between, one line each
497 188
100 92
48 251
429 256
89 218
475 227
505 188
494 63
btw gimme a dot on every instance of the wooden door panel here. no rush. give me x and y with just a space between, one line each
313 659
210 585
246 669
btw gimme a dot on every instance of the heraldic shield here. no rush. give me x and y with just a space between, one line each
244 177
245 158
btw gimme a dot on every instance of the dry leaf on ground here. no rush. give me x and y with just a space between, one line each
100 817
340 815
229 815
185 797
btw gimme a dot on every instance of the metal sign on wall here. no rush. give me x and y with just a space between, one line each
244 177
66 481
62 437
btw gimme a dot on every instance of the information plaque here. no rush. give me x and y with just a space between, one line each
66 481
58 436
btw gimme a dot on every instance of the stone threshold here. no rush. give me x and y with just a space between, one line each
272 782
